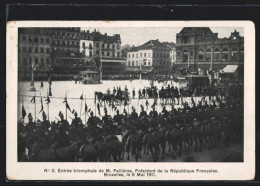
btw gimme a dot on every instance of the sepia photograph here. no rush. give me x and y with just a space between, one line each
124 94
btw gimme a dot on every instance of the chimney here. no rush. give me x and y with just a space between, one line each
105 34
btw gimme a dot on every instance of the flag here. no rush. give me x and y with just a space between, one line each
81 97
41 106
23 112
86 107
65 100
33 99
89 110
48 100
67 106
73 111
98 107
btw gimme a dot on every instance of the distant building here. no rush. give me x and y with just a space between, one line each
153 56
172 46
199 49
103 48
34 52
49 51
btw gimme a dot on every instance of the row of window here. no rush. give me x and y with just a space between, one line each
137 63
158 55
65 42
42 50
35 39
111 46
36 60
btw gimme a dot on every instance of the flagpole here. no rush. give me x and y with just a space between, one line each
48 107
35 107
80 105
22 105
85 111
66 103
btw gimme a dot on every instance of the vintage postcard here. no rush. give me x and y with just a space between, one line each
130 100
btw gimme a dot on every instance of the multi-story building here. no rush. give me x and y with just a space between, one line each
49 51
199 49
153 56
104 48
34 49
172 46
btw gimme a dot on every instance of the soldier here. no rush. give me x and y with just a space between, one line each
140 94
91 120
142 113
133 93
64 123
134 114
118 118
30 125
165 112
45 123
108 92
76 121
153 113
114 91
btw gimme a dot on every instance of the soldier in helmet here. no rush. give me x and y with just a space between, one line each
153 113
64 123
30 125
91 119
134 114
142 113
118 118
165 112
45 123
76 121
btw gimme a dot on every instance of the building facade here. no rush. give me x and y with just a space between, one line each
101 48
49 51
199 49
152 56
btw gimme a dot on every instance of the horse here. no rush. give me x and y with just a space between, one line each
88 152
134 141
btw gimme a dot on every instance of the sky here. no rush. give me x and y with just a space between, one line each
138 36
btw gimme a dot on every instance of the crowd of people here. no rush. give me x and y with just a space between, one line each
188 128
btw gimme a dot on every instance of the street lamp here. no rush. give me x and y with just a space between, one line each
32 81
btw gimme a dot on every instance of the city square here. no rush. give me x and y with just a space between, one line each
82 96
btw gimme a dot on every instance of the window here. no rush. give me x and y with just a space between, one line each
36 61
30 39
47 60
201 55
216 54
47 50
47 40
234 54
42 50
178 54
83 45
90 53
42 61
103 46
41 40
149 55
35 50
136 63
30 49
36 39
24 49
108 53
140 54
133 55
97 45
129 55
128 63
137 55
164 55
167 55
148 63
225 54
241 55
191 55
144 54
24 39
208 54
24 61
133 63
185 56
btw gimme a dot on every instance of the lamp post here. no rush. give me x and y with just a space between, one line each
50 93
32 81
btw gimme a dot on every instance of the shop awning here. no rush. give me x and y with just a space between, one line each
229 69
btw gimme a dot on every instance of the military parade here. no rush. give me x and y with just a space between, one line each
130 134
